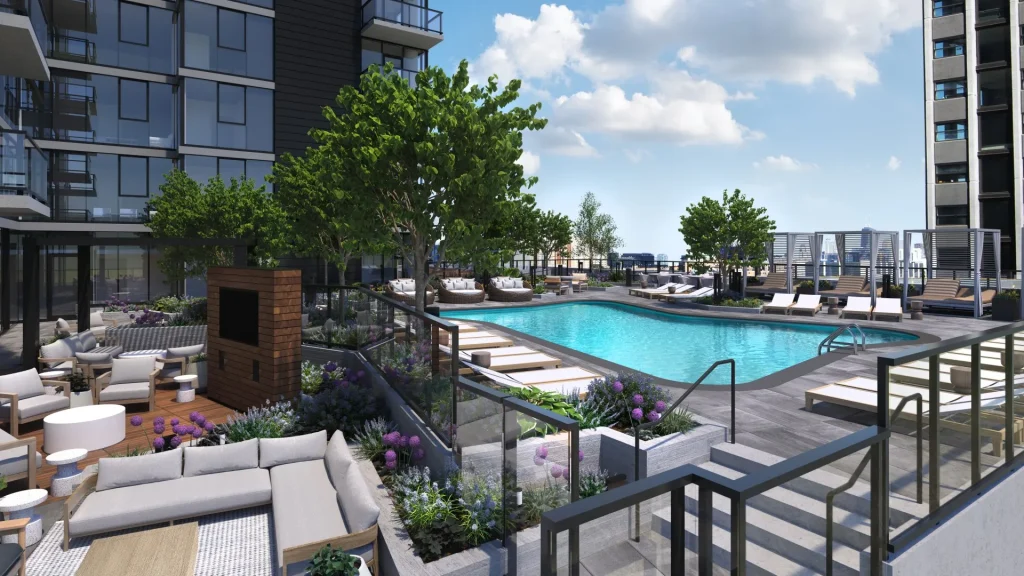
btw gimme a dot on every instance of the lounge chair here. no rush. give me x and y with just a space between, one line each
858 306
509 290
553 283
460 291
917 374
404 290
464 327
773 283
483 340
129 381
562 380
888 308
779 303
807 304
580 281
660 290
698 293
944 293
27 398
510 358
862 394
847 286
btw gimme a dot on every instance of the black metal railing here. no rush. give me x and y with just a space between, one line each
404 13
947 8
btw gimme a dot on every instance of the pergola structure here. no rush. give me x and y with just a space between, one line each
796 248
882 248
969 252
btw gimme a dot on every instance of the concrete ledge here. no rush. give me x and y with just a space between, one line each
712 308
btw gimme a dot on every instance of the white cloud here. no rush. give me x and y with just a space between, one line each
530 163
784 163
526 48
894 163
562 141
743 96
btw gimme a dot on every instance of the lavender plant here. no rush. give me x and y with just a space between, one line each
633 397
269 421
370 440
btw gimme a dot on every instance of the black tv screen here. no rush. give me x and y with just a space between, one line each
240 315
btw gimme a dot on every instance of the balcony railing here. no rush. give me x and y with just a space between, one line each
22 170
409 75
34 10
404 13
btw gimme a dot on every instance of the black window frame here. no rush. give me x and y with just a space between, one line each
245 97
966 172
245 39
120 107
120 188
962 82
960 41
120 24
965 215
959 130
951 6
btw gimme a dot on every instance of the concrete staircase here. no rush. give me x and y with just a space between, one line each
786 525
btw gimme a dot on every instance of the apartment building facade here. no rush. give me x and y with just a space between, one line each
101 98
973 120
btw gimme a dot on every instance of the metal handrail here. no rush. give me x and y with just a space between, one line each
829 341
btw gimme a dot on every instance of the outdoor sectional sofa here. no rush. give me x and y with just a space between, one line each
404 290
460 291
314 486
510 290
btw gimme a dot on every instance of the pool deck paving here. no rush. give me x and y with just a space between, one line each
771 415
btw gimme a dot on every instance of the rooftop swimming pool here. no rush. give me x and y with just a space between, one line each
670 346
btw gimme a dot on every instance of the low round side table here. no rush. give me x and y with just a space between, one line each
916 310
186 390
52 375
833 306
68 475
20 505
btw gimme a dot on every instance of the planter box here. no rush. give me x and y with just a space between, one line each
597 289
81 399
713 308
1006 309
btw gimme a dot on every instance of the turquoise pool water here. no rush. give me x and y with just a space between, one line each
669 345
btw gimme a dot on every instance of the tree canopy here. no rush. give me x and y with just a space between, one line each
594 231
215 210
730 234
435 162
554 234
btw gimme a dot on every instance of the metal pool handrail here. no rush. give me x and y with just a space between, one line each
829 340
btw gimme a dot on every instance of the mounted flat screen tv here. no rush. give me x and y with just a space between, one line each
240 315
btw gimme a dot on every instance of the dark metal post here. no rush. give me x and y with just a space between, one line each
241 257
976 413
678 537
732 408
1008 409
548 551
574 495
704 528
636 478
454 430
880 478
30 301
738 533
934 450
6 279
84 269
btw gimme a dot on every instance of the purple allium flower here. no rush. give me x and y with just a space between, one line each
539 461
659 406
330 367
418 454
158 420
136 420
403 441
414 442
158 444
208 426
197 432
556 471
201 420
638 399
617 387
390 456
175 421
637 414
175 441
159 429
131 316
391 464
193 416
653 416
542 452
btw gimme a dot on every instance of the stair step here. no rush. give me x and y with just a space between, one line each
817 483
849 528
760 561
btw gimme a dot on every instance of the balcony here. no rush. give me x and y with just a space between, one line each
23 39
409 75
401 23
22 177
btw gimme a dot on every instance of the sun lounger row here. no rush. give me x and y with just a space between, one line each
856 306
783 304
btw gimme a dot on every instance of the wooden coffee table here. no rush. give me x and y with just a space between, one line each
168 551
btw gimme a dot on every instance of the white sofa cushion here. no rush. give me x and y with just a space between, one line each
305 505
132 370
354 496
517 283
58 349
122 392
465 292
278 451
185 351
25 384
201 460
86 341
133 470
36 405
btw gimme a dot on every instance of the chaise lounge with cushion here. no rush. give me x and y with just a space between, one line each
404 290
773 283
460 291
24 397
509 290
315 488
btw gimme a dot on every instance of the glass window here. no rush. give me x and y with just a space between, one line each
951 215
259 115
947 7
134 179
950 131
229 42
158 168
950 89
201 168
134 24
200 112
259 49
231 104
230 29
230 168
134 100
258 171
947 48
228 116
951 173
993 44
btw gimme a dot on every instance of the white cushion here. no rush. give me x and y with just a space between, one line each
36 405
185 351
96 320
86 341
465 292
131 370
518 290
58 349
25 384
201 460
123 392
132 470
63 326
278 451
517 283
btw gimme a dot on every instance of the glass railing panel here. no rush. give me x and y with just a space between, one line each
403 13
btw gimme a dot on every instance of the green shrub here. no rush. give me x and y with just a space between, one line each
330 561
1008 295
270 421
745 303
673 423
616 276
593 483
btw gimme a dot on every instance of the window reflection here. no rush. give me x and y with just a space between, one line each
112 33
227 41
105 187
228 116
203 168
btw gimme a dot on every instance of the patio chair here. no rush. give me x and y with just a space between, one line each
24 397
698 293
580 281
940 292
12 556
774 282
563 380
509 359
509 290
888 308
846 286
807 304
176 362
19 458
404 290
129 381
779 303
858 306
553 284
460 291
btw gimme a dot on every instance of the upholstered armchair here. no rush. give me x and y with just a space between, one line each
24 397
129 381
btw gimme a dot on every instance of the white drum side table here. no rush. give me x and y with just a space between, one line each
68 475
20 505
88 427
186 387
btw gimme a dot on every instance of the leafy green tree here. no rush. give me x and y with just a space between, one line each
555 235
730 234
215 210
435 163
594 231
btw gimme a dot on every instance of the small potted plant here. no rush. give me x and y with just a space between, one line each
330 561
1006 306
81 391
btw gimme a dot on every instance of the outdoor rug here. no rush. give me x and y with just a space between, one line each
239 543
167 551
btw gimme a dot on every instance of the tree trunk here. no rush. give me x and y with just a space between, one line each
419 262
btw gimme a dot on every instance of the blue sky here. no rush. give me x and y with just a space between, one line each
813 108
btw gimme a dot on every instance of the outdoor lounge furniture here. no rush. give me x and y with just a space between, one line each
861 394
129 381
98 327
888 308
509 290
553 284
481 339
509 358
857 306
19 458
693 295
315 488
947 293
807 304
12 556
773 282
404 290
847 286
659 291
24 397
779 303
67 353
580 282
562 380
460 291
